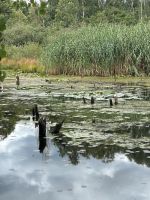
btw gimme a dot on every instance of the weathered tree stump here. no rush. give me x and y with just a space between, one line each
116 100
93 121
35 112
84 100
55 129
17 81
110 102
92 100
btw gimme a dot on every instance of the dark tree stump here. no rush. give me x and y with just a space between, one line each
110 102
35 112
84 100
116 100
92 100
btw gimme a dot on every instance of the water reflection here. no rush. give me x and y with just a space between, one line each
42 143
23 173
106 153
9 115
42 134
135 130
59 168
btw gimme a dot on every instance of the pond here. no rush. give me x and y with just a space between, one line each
101 152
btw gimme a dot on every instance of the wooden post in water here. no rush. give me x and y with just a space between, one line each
84 100
110 102
55 129
93 121
17 81
42 134
116 100
35 112
92 100
1 88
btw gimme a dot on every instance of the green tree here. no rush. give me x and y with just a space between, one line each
67 12
2 50
20 32
116 15
5 12
22 5
2 28
50 12
5 8
37 13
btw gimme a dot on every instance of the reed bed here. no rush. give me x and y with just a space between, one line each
103 50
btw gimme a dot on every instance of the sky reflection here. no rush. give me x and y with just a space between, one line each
26 174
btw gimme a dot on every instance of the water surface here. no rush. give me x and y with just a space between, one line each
108 159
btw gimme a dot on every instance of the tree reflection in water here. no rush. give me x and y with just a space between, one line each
9 115
104 152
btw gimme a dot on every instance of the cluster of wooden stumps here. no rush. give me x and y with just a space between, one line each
41 123
92 101
111 102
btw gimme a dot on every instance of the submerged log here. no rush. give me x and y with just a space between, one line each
55 129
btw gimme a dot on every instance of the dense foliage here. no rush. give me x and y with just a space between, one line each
103 50
99 37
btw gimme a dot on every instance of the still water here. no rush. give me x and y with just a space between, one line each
107 160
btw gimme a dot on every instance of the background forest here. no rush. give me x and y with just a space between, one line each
76 37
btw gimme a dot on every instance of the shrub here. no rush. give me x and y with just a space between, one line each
30 51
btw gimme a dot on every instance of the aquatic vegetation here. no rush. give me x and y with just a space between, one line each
102 50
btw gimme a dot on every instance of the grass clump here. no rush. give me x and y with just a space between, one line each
23 58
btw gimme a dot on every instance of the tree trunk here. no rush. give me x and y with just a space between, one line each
83 9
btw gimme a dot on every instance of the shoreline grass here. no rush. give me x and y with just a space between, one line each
25 65
103 50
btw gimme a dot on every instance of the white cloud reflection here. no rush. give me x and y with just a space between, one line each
26 175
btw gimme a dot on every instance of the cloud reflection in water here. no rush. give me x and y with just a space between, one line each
25 174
